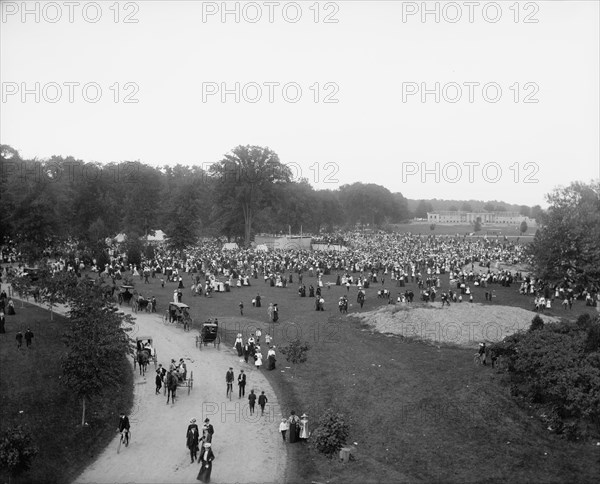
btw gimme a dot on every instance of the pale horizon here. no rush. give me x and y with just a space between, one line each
374 61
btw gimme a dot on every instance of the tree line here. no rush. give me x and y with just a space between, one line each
248 191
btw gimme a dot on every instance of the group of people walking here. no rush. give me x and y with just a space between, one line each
252 349
200 447
296 426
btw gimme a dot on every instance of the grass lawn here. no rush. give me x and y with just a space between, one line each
32 395
462 229
418 412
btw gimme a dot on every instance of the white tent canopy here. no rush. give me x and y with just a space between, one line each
159 236
230 246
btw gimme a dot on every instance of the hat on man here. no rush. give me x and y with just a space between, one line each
207 444
193 421
304 416
206 420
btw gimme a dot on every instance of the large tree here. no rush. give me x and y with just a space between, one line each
368 203
97 344
246 180
566 245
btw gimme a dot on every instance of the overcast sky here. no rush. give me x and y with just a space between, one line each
342 91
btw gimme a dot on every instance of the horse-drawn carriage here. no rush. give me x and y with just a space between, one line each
144 353
209 333
174 379
125 296
140 303
178 313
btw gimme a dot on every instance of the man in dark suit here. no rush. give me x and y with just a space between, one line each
252 401
208 430
192 437
242 384
229 376
262 401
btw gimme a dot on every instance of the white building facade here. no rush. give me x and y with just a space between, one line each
458 217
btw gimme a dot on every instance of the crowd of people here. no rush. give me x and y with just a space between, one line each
368 258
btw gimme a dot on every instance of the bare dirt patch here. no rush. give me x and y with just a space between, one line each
464 324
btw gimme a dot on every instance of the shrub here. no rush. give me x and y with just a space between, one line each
17 450
558 365
536 323
331 434
296 352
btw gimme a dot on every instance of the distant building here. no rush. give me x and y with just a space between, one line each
458 217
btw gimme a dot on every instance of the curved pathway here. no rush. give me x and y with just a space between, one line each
247 448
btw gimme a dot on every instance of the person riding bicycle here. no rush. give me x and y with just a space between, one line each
124 425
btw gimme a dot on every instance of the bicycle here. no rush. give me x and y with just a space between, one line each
125 436
478 360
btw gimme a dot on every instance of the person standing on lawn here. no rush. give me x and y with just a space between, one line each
283 427
294 423
28 337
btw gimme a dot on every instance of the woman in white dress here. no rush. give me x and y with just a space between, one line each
304 433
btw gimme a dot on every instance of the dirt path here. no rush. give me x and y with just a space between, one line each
247 448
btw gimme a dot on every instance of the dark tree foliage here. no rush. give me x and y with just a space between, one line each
17 450
536 323
331 433
557 365
566 245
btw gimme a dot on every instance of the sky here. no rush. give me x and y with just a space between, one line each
449 100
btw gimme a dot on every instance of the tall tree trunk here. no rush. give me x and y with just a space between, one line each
247 225
83 412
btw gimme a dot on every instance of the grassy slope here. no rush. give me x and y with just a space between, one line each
426 414
30 382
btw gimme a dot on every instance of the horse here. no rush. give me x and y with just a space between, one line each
171 387
143 357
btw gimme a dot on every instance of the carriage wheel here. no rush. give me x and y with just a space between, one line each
200 342
191 382
134 362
